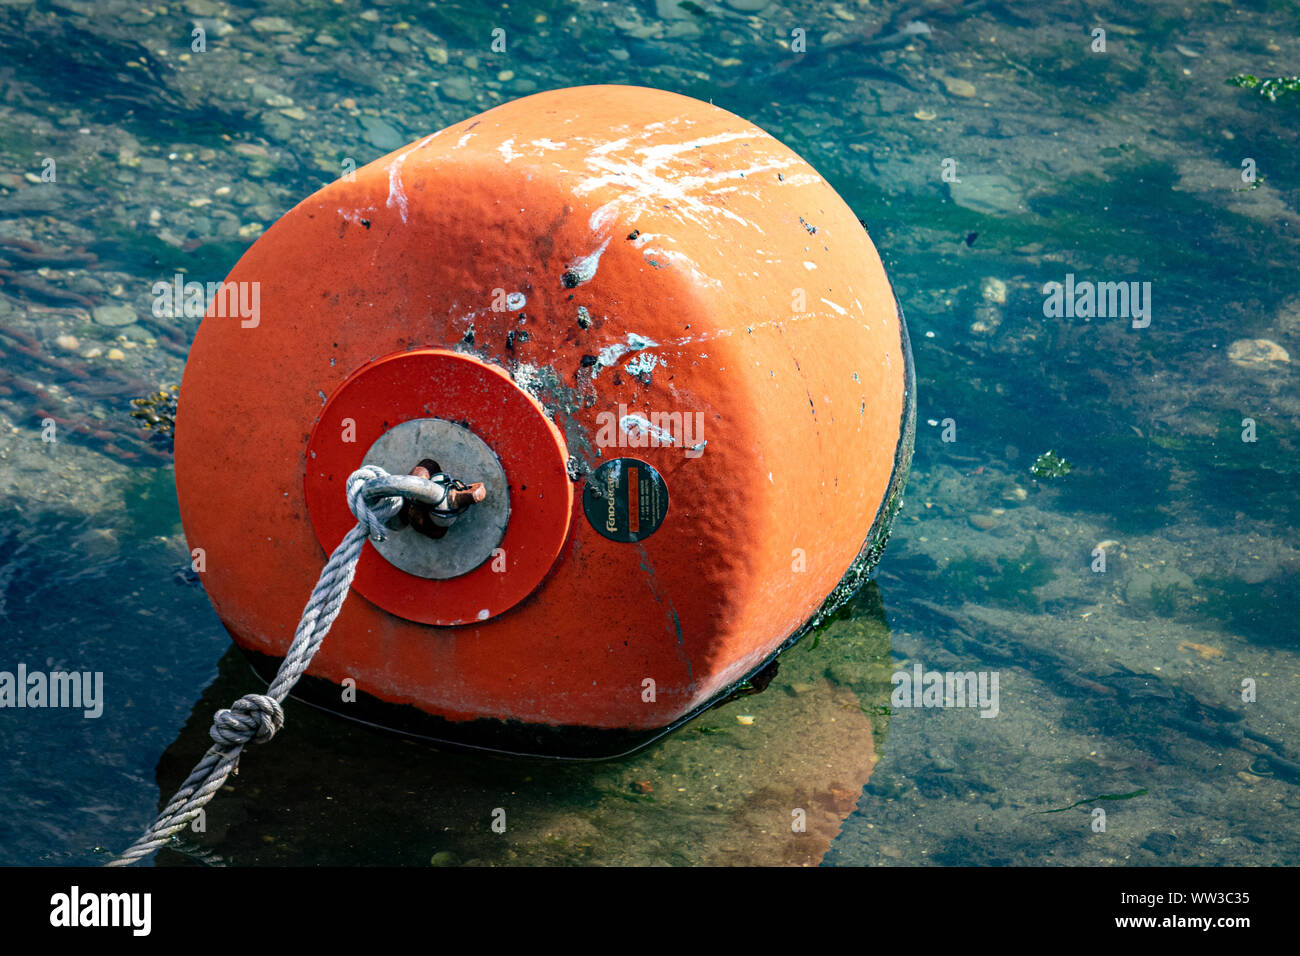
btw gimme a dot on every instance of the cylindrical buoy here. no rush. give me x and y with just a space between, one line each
658 339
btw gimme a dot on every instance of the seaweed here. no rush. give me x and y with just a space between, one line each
1011 580
1272 88
1050 465
157 412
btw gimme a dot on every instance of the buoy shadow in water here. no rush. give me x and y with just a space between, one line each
764 779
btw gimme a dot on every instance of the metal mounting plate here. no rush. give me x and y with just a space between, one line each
460 453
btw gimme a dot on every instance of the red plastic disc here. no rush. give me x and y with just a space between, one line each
433 383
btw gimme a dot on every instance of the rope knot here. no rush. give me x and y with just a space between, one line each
252 717
371 514
374 496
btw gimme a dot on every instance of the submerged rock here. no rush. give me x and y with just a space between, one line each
993 289
271 25
456 88
987 318
989 193
1162 591
380 134
958 87
114 316
1252 353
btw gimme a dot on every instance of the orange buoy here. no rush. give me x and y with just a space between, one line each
658 339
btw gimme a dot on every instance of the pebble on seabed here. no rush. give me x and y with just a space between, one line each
113 316
958 87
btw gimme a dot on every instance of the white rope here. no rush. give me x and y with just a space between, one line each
374 496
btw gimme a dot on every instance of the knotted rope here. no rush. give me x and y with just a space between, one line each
374 496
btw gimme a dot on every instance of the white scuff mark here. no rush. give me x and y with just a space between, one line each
712 334
507 151
655 155
583 269
612 353
353 217
545 143
673 257
638 425
603 217
396 194
644 363
605 148
803 179
838 308
395 191
644 186
809 265
463 140
648 179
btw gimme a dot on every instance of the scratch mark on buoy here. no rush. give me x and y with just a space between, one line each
652 582
396 194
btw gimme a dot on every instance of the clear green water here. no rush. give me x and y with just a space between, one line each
1116 166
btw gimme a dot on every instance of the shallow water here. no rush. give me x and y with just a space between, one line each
1120 691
